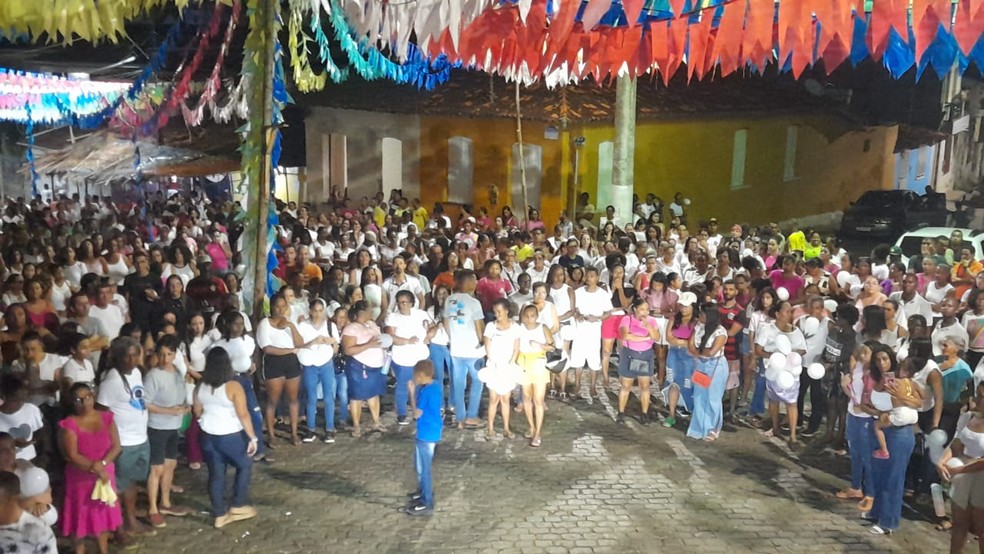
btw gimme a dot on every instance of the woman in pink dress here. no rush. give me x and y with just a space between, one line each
90 443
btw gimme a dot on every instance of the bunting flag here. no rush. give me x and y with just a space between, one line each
564 41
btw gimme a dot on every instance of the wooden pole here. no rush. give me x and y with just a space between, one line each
522 157
263 132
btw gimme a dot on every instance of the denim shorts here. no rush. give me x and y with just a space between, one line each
132 466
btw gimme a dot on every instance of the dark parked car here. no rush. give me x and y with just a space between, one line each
889 213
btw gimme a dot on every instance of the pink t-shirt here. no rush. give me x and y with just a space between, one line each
793 284
220 263
488 291
635 327
372 357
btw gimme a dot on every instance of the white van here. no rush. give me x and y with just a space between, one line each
911 241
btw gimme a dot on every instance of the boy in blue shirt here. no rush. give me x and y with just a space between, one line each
430 398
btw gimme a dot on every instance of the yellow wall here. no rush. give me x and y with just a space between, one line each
693 156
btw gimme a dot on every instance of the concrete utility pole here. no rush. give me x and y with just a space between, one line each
623 170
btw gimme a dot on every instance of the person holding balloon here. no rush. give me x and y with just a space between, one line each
784 345
815 326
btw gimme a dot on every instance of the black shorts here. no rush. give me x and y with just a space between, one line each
163 445
281 367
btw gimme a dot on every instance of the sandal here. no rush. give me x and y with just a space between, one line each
944 525
849 494
528 435
769 434
508 434
489 435
194 466
563 397
356 433
552 393
537 441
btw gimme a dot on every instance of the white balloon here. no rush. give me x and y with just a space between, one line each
785 381
783 345
686 201
777 361
385 341
33 481
830 305
747 253
816 371
782 293
842 278
771 373
935 453
796 370
937 437
793 359
954 463
855 290
811 324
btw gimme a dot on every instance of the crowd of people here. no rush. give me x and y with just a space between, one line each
126 348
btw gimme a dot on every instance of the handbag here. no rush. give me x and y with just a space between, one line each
556 361
701 379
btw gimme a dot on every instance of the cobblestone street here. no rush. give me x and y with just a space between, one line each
592 487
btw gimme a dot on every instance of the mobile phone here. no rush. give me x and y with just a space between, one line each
889 377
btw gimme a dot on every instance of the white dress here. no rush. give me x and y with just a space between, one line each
499 373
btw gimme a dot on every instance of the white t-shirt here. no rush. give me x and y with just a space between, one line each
766 338
195 352
414 324
917 306
502 342
935 295
22 424
79 372
592 304
410 283
240 352
50 365
29 535
126 400
111 317
321 354
268 335
461 311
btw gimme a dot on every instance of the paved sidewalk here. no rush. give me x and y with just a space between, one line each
592 487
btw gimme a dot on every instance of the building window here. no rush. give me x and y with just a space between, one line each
922 156
789 161
392 165
606 157
738 159
460 168
533 156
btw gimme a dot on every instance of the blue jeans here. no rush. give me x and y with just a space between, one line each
889 476
220 452
461 370
325 376
423 458
860 439
404 375
253 405
757 405
441 357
